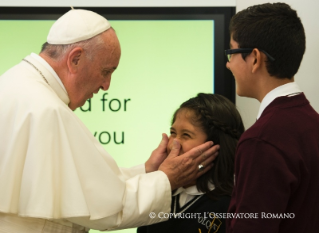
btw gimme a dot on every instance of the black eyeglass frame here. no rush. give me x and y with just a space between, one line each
246 50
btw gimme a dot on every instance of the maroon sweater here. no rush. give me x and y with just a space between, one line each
277 171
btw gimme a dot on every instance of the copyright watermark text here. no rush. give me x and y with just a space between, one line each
213 215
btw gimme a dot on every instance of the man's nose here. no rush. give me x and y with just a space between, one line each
106 85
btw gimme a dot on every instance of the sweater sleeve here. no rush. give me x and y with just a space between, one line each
264 181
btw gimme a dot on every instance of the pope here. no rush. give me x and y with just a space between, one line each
54 175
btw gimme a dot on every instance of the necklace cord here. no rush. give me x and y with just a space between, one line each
37 70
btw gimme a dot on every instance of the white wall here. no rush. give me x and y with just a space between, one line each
120 3
307 76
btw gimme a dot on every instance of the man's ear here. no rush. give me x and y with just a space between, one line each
257 60
74 58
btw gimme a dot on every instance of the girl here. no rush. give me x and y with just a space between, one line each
199 207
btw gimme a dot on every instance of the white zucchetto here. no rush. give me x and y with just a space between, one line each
77 25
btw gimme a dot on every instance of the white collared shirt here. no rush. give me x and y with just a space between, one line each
48 67
284 90
187 194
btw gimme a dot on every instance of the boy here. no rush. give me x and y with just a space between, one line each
277 159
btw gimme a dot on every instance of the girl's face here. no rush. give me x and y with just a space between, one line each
188 135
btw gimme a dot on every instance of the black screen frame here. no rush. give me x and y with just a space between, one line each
224 82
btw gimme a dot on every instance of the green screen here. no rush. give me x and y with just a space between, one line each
163 63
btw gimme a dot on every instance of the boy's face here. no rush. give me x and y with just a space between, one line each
188 135
241 69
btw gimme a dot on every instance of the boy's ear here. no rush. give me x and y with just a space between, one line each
257 60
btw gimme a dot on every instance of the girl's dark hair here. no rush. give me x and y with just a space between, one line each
222 123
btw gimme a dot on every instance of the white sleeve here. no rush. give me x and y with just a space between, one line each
132 171
144 195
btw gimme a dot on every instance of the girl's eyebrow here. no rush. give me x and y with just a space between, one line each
184 131
188 131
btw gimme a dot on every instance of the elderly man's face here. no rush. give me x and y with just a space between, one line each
95 74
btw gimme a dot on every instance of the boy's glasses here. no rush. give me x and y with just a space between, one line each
229 52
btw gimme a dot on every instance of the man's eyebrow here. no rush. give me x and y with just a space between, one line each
109 69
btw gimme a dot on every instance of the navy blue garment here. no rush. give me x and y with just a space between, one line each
199 215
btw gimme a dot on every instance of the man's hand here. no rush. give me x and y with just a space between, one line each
157 156
183 169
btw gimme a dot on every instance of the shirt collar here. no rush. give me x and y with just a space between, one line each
284 90
192 190
48 67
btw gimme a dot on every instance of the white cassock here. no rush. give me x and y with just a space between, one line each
52 167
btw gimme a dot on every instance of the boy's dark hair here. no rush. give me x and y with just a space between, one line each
275 28
222 123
